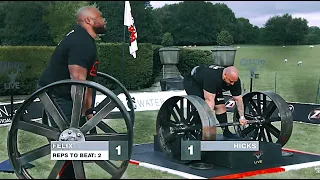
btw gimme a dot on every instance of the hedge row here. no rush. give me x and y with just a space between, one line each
139 72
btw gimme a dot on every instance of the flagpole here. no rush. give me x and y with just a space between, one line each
124 41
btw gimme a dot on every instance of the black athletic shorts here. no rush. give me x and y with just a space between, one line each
192 88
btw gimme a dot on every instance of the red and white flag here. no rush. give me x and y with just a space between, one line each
129 22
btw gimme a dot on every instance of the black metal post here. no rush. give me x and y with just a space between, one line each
275 83
251 79
122 65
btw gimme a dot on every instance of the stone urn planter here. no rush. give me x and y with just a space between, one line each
169 57
224 55
170 75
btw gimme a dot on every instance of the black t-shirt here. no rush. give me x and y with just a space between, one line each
77 48
210 79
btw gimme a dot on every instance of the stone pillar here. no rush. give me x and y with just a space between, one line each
169 57
170 77
223 55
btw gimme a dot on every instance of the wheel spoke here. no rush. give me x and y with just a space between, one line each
190 136
169 123
109 167
78 170
91 123
253 106
274 119
269 110
181 111
103 103
195 118
174 114
170 138
189 110
107 137
77 105
262 133
264 105
273 130
40 129
53 110
105 127
255 135
34 154
269 135
191 116
195 134
56 169
247 130
259 104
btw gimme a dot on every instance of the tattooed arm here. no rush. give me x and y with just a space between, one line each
239 102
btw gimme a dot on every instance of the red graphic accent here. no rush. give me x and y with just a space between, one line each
132 35
93 71
250 173
66 164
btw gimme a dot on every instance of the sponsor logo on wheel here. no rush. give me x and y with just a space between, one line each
314 116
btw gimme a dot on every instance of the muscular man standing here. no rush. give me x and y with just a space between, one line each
208 82
75 58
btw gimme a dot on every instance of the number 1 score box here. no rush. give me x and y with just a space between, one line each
89 150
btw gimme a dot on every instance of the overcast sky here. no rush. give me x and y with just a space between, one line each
258 12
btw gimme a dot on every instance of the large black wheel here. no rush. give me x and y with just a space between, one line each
183 118
29 140
275 115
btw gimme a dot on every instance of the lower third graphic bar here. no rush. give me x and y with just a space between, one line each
229 145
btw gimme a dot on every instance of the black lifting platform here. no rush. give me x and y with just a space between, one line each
270 155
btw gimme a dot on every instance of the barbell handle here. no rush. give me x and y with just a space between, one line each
237 123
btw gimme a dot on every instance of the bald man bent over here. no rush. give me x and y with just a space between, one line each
75 57
208 83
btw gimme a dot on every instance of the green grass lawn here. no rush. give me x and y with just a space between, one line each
305 137
291 79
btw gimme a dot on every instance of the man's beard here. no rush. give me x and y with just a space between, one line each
99 29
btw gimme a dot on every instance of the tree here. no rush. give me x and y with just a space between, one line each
189 22
245 31
166 16
275 29
224 19
313 36
296 30
23 23
147 25
285 30
167 39
224 38
61 17
148 29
